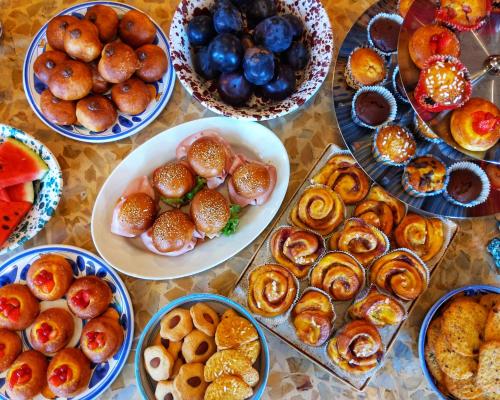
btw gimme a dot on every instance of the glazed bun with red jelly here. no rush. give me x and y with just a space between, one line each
68 373
88 297
52 330
135 210
10 347
208 154
27 376
251 182
49 277
18 307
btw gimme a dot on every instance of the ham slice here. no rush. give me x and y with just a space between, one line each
148 242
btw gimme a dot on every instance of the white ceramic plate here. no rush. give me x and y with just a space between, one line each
130 257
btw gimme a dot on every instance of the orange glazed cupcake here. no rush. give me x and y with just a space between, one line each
464 15
476 126
430 40
365 67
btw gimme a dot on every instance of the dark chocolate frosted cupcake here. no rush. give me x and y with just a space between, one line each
373 107
468 185
383 32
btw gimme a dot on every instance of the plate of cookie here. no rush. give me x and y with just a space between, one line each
98 72
459 343
66 324
202 346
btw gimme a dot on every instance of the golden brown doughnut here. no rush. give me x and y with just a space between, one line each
106 20
27 376
49 277
176 324
56 29
132 96
88 297
71 80
99 84
10 347
46 62
68 373
52 330
198 347
18 307
57 111
81 41
153 62
136 29
101 338
118 62
204 318
96 113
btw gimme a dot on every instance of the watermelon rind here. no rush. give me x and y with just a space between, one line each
21 192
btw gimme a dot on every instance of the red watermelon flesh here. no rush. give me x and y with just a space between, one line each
4 195
19 164
11 214
21 192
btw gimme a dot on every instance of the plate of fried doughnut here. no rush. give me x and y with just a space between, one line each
98 72
190 198
66 324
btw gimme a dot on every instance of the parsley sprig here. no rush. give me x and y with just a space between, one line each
200 183
234 220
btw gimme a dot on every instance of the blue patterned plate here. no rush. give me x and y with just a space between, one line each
83 263
48 191
126 125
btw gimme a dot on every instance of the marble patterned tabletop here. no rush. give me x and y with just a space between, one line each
305 135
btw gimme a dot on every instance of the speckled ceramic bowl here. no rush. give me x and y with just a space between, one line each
48 191
318 36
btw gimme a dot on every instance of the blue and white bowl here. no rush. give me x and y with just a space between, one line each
84 263
48 191
471 290
146 385
126 125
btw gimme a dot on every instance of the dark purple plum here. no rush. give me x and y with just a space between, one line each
274 33
228 19
247 41
261 9
203 65
258 65
242 4
297 56
200 30
234 89
282 86
226 52
296 24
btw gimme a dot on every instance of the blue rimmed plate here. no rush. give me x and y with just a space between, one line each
84 263
146 385
126 125
48 191
470 290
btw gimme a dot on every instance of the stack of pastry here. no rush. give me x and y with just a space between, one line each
200 355
462 348
97 65
51 332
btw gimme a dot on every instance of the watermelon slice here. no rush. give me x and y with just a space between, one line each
11 214
4 195
21 192
19 164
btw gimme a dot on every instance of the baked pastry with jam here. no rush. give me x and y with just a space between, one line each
10 347
424 176
18 307
463 15
377 193
27 376
377 214
68 373
365 67
429 40
89 296
52 330
101 338
393 145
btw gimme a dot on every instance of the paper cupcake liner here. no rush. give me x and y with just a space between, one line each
426 268
421 130
273 260
416 193
485 192
384 159
349 77
400 96
394 17
386 94
444 19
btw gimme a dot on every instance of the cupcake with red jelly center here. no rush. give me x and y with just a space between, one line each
425 176
443 84
393 145
463 15
373 107
468 185
383 32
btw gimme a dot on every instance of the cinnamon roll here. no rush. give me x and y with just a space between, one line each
320 209
376 213
424 236
313 318
338 274
362 240
378 308
271 290
398 208
357 348
345 177
401 273
296 249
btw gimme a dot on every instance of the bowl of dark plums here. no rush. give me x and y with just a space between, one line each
251 59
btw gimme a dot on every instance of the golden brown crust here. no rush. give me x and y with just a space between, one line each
101 338
89 296
176 324
204 318
251 179
106 20
174 179
172 230
233 332
190 382
398 208
197 347
136 213
96 113
18 307
81 41
71 80
99 84
492 327
49 277
10 347
153 62
136 29
395 144
57 111
375 213
228 387
367 67
52 330
429 40
56 29
46 62
209 211
250 350
230 362
462 389
488 373
451 363
426 174
132 96
118 62
35 364
72 365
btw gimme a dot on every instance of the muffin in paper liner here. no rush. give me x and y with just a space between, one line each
482 177
414 192
309 267
395 17
349 76
448 18
423 130
384 159
386 94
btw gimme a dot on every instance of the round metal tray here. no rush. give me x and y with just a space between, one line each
359 139
478 50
